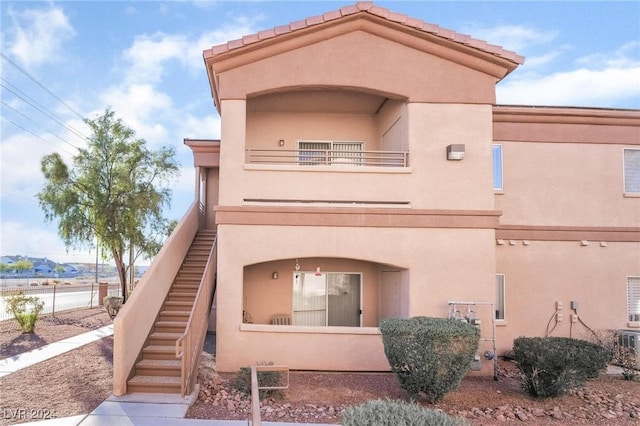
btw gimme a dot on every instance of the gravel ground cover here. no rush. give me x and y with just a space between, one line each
78 381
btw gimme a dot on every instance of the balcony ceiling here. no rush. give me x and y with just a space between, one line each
334 101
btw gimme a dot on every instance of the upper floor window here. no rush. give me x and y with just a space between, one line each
633 298
497 167
632 171
330 152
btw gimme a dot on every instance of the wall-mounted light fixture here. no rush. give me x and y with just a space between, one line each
281 142
318 273
455 151
274 276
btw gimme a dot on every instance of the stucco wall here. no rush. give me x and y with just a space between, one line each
359 59
541 273
565 184
442 263
265 129
432 182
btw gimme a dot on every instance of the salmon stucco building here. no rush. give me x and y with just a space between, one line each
364 171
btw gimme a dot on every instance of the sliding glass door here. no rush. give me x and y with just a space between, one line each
331 299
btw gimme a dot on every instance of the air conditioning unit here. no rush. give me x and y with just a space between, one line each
631 339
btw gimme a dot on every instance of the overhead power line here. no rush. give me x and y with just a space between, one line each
37 136
32 78
40 108
33 121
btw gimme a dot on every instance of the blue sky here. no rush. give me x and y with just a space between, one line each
66 60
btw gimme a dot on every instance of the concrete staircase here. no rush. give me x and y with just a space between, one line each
157 369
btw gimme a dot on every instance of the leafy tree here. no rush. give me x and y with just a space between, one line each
22 265
59 269
115 190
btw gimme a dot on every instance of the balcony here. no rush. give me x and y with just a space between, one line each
327 157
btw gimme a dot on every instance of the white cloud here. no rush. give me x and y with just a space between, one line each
21 155
148 54
200 127
623 57
143 108
600 79
518 38
580 87
37 35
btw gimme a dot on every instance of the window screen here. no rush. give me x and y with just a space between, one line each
632 171
633 298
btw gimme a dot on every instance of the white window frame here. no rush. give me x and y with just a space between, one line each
326 309
633 299
628 169
500 304
354 158
498 147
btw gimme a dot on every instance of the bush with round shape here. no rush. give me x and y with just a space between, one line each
552 366
429 355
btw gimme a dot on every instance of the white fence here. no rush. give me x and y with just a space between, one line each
60 297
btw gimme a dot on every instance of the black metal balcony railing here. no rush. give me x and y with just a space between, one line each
327 157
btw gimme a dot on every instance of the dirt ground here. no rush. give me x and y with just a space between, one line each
70 384
78 381
314 397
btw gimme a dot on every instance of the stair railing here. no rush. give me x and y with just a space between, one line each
135 320
189 345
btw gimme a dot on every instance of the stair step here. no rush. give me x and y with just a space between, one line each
177 306
185 288
189 281
181 297
158 338
154 384
159 352
190 275
182 287
174 315
159 367
170 326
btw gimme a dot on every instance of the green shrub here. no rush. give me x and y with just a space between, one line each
554 365
242 382
429 355
396 413
25 309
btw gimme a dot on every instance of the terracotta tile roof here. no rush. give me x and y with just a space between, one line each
367 7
